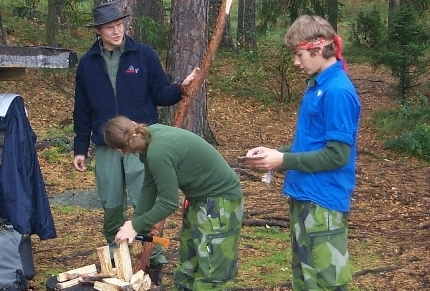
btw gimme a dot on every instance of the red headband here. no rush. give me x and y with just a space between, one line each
321 42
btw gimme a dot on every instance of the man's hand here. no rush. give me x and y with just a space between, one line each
79 163
187 81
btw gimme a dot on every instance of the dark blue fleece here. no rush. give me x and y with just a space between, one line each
141 86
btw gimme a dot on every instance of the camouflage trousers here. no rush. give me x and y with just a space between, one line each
209 240
320 259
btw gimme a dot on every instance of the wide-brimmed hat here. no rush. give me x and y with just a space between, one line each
107 12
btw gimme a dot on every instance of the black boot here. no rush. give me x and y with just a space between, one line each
154 272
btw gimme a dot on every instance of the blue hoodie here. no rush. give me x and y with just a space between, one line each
141 86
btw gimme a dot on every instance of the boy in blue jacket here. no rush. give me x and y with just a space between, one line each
320 163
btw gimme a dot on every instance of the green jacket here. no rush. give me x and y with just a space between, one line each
179 159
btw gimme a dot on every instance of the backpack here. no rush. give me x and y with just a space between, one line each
16 258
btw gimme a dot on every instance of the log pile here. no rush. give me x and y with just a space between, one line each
108 278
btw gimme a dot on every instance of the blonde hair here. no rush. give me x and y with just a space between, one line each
123 134
309 28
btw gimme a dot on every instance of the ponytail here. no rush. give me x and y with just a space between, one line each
123 134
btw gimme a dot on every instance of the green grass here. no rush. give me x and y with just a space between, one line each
66 209
264 257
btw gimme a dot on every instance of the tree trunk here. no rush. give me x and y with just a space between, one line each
2 35
318 7
391 9
51 24
128 6
151 9
293 10
249 23
332 13
189 18
213 13
60 12
227 38
138 13
240 23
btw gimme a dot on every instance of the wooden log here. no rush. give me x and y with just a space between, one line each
123 264
75 273
119 284
68 284
105 259
104 287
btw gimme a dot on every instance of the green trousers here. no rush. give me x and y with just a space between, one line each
119 177
209 240
320 259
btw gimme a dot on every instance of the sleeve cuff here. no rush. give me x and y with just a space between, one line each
290 161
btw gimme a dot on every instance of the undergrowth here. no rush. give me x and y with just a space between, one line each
406 129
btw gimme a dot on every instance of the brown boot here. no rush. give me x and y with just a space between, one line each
154 273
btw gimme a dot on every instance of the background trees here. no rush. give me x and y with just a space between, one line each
401 44
2 39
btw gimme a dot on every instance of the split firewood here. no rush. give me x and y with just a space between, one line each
137 279
76 273
140 281
105 259
104 287
146 283
123 264
119 284
67 284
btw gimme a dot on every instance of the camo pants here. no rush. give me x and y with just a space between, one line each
209 239
320 258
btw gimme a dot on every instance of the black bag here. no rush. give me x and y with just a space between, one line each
16 258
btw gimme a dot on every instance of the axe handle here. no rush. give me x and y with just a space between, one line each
165 242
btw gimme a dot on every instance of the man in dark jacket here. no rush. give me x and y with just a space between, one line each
118 76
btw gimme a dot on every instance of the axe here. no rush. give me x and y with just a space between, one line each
165 242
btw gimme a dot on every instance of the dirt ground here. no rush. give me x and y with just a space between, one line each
390 208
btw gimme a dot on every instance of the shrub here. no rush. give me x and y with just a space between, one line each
407 128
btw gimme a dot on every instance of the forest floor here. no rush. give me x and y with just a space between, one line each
390 214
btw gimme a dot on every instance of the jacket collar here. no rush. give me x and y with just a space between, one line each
130 45
321 77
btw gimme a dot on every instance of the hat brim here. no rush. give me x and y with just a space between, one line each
104 22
